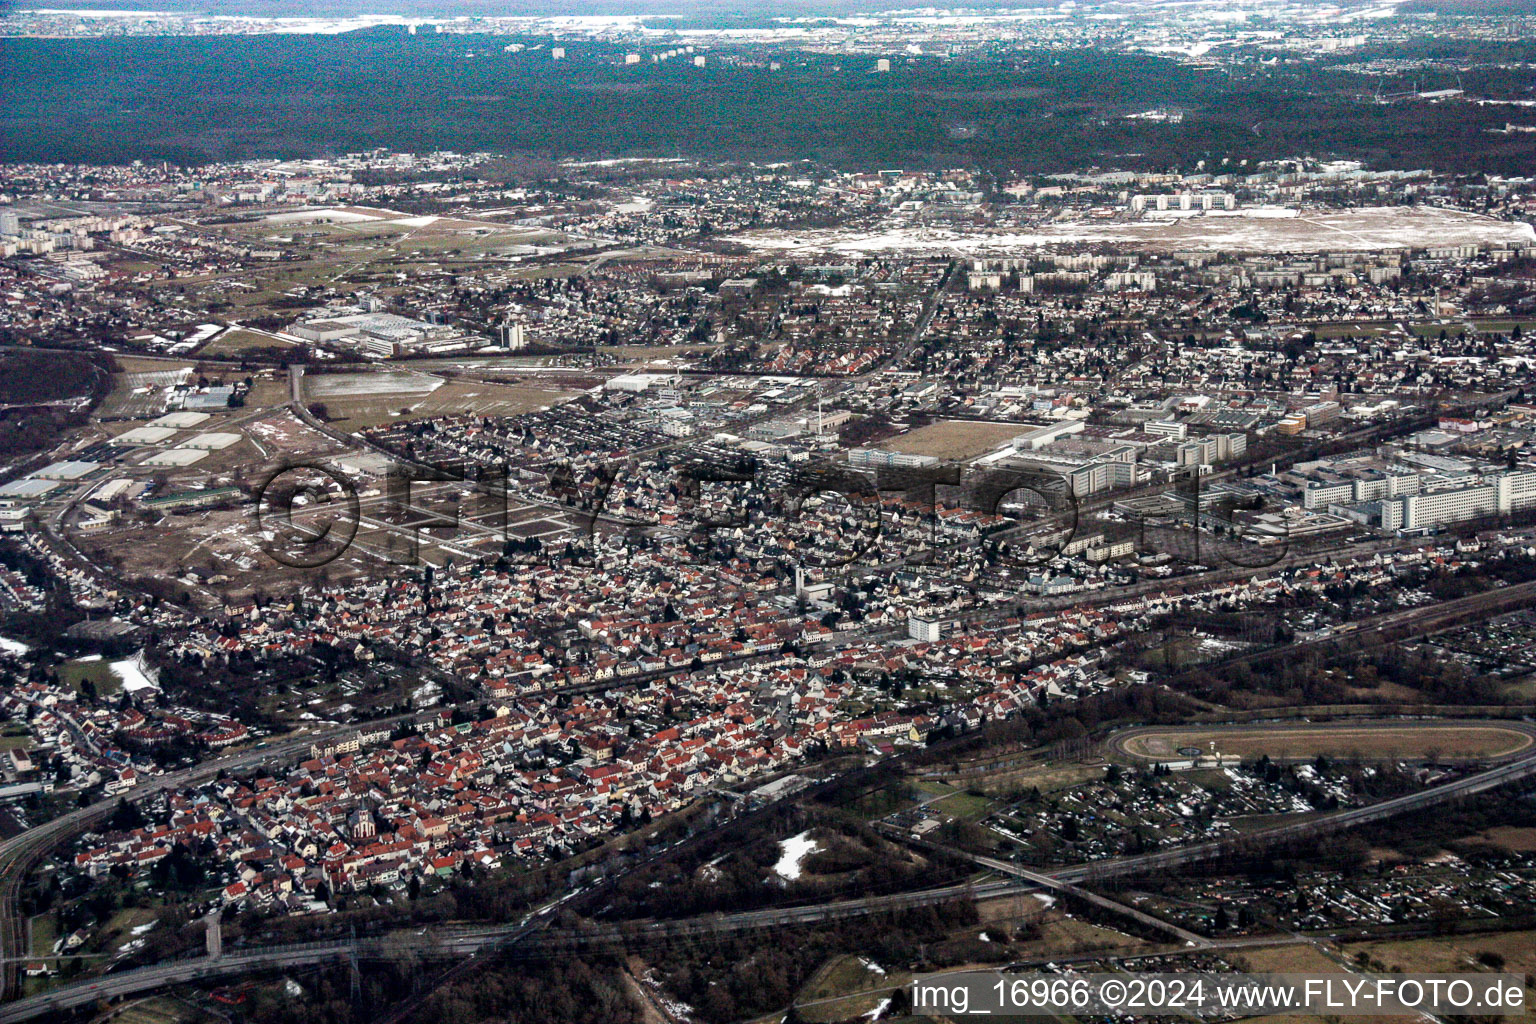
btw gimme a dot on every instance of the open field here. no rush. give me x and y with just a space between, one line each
1455 328
953 439
1062 934
1511 838
74 674
1454 953
657 351
125 926
1263 229
145 364
163 1010
1452 741
1289 959
233 342
267 393
45 931
844 975
962 805
360 412
1047 776
847 1007
363 384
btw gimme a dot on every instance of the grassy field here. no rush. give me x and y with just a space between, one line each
845 1008
360 412
233 342
962 805
161 1010
1292 959
1522 690
843 975
267 393
1453 328
953 439
1047 776
1357 330
1458 741
45 931
118 931
74 673
1069 935
1511 838
144 364
1454 953
1182 652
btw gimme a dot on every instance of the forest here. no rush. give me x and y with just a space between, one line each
37 393
193 100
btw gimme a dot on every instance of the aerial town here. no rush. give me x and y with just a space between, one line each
487 585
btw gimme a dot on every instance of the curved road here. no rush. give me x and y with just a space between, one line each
463 944
472 943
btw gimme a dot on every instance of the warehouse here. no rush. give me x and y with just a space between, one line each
27 487
179 420
176 458
70 470
212 442
146 435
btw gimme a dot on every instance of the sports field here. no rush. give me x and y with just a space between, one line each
1371 741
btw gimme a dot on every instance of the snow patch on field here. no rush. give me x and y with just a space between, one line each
1260 229
794 850
321 216
131 672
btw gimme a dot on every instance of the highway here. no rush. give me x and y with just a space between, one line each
1512 771
19 853
1055 884
465 944
473 943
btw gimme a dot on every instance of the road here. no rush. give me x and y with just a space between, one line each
1161 860
1046 881
19 853
470 944
466 944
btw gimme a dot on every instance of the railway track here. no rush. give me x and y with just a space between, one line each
471 945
